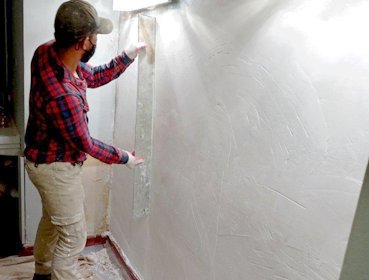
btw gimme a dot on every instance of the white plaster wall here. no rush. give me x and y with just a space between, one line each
260 140
38 28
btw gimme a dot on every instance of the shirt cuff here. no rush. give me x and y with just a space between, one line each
126 59
124 157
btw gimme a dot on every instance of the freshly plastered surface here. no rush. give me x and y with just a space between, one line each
39 28
260 140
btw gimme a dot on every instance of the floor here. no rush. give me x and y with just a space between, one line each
95 263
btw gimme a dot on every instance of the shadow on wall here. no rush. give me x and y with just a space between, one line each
355 265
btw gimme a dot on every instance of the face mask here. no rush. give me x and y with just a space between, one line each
88 54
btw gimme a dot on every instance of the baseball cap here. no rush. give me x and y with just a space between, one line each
77 19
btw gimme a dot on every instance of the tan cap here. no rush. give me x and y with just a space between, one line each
77 19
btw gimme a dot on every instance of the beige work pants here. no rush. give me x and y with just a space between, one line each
61 234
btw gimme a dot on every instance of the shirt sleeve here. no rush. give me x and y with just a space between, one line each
103 74
65 109
67 115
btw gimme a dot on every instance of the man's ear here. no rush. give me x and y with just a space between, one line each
85 44
80 45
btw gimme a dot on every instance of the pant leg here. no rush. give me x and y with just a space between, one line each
62 194
45 242
71 242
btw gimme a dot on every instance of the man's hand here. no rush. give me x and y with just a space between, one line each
135 49
133 160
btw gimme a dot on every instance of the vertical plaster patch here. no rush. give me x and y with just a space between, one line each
144 115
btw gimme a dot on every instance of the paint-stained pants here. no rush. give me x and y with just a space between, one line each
61 234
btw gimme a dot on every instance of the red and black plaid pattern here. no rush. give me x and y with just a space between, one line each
57 125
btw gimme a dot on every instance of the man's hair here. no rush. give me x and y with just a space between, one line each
64 41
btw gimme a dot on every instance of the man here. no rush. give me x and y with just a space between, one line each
57 137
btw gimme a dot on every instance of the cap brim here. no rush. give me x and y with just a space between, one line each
105 26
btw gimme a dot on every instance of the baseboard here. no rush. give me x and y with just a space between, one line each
106 238
122 258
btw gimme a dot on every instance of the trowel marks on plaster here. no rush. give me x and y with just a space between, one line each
144 115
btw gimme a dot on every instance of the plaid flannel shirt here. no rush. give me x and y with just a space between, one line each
57 125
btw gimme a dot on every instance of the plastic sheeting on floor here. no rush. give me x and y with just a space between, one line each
94 266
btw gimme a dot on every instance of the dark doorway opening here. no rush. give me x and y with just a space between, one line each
5 28
10 243
10 46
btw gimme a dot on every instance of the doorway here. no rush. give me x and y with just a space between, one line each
10 242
